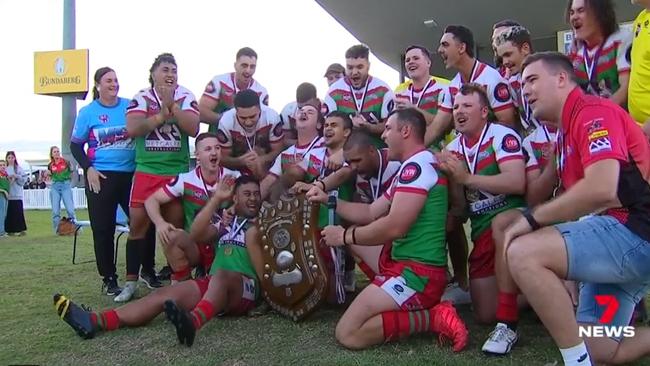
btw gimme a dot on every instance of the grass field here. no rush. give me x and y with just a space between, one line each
34 267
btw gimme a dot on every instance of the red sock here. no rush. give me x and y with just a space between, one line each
106 320
181 275
507 310
203 312
400 324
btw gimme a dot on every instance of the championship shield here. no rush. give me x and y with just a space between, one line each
295 279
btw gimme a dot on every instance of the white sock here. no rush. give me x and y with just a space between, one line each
576 355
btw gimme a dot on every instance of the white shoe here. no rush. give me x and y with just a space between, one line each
456 295
127 292
350 281
500 341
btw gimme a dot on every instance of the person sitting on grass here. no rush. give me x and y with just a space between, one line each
184 295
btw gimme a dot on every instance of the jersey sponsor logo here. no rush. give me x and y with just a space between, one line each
410 173
510 144
600 145
221 136
103 118
209 89
598 134
278 130
594 125
164 138
132 104
502 93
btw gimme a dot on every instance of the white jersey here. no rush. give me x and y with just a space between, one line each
232 135
287 115
495 85
294 154
539 147
416 175
374 101
223 88
371 189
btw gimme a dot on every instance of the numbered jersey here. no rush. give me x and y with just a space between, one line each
538 147
370 189
222 88
604 63
231 134
425 240
292 155
495 86
163 151
194 191
528 122
374 101
497 145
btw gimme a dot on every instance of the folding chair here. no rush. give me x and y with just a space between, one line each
121 228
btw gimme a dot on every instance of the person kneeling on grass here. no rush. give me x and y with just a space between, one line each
233 274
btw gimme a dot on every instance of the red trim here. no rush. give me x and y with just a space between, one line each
211 97
532 167
503 107
136 111
511 157
624 71
191 110
168 192
411 190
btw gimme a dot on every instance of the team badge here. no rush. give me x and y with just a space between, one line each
410 173
228 251
103 118
510 144
502 93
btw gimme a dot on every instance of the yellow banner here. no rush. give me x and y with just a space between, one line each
61 72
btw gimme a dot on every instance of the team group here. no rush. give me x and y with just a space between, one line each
540 155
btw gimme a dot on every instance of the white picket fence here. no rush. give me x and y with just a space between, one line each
39 199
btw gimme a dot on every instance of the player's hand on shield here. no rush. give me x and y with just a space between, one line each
315 194
225 189
333 235
301 187
163 232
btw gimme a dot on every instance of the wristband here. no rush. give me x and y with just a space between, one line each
344 235
354 235
528 215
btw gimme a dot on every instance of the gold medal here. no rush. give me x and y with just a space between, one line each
228 251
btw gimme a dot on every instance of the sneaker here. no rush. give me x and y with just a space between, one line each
127 292
500 341
78 317
456 295
350 281
22 233
451 325
110 286
182 322
165 273
4 235
150 279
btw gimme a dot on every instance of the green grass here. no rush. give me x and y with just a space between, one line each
34 267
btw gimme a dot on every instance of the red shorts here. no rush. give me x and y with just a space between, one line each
391 280
206 255
144 185
481 259
247 301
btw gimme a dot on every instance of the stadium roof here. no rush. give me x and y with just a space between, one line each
389 26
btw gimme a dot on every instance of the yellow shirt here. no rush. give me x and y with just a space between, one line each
639 89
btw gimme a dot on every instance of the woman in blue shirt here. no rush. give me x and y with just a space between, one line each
108 163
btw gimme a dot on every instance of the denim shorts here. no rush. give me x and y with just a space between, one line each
607 259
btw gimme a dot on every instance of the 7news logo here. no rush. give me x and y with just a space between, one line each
602 329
